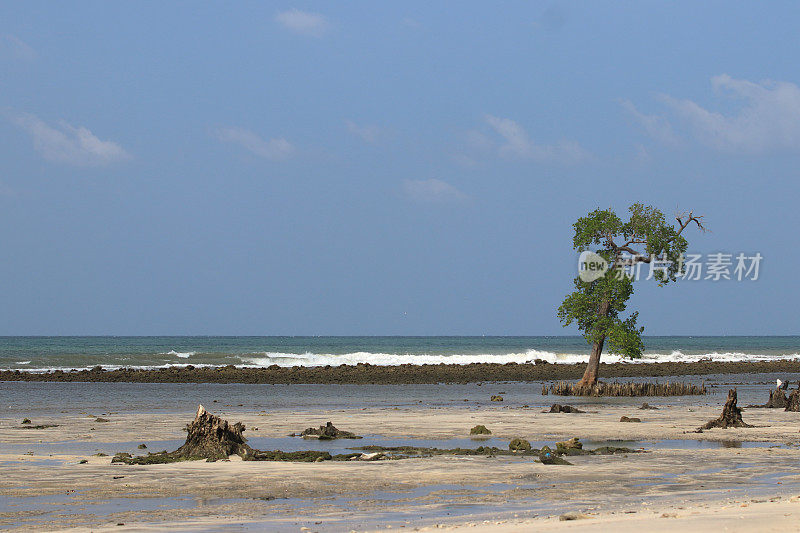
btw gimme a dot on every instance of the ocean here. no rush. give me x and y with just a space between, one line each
48 353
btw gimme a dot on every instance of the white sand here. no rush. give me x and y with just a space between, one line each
704 488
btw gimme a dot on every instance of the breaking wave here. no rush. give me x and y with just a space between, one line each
182 355
388 359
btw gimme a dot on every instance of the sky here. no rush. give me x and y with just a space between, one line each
377 168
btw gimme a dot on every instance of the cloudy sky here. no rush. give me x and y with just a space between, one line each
376 168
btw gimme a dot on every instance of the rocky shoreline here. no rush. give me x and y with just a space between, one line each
401 374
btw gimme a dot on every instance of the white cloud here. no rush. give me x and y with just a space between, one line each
303 22
432 191
766 120
516 143
368 133
273 149
67 144
13 47
656 126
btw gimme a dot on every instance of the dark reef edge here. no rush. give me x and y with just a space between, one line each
402 374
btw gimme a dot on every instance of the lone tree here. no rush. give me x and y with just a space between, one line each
596 306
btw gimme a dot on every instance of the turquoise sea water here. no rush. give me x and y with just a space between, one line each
38 353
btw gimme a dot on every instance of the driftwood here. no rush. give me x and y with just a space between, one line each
563 388
731 416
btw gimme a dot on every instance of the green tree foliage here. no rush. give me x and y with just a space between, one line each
597 307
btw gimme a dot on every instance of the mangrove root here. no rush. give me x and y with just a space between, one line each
563 388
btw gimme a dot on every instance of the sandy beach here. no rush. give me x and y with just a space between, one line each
745 478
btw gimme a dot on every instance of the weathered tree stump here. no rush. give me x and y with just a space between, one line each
777 399
731 416
793 403
208 437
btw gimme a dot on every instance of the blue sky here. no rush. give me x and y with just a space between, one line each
384 168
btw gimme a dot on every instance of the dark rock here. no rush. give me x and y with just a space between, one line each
645 406
142 446
547 457
496 398
572 446
99 419
327 432
572 516
558 408
519 445
26 421
629 419
480 429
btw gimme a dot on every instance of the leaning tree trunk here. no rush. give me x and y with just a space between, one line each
589 378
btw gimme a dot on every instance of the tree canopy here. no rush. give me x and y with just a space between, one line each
597 307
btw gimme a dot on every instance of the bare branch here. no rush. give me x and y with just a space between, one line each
684 219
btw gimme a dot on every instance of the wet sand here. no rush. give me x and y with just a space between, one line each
401 374
699 478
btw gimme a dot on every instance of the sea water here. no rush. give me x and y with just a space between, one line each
46 353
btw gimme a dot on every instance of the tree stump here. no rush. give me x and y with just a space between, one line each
731 416
208 437
793 403
777 399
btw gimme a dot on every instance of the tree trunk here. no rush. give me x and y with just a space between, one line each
731 416
589 378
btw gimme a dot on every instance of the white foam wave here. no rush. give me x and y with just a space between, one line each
388 359
182 355
22 362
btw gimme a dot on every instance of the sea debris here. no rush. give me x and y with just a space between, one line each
731 416
480 429
564 388
26 421
496 398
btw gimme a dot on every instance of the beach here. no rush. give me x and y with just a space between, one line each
54 479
